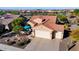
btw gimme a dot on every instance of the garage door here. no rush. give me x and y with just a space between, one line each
43 34
59 35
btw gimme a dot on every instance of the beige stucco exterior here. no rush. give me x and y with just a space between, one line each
42 32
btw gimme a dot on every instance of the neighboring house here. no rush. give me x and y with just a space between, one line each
46 27
7 21
7 16
74 26
72 19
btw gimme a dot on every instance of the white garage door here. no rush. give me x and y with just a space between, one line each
43 34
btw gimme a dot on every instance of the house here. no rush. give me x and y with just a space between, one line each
7 21
46 27
7 16
72 19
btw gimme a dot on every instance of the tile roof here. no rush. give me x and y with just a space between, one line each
50 22
51 18
7 21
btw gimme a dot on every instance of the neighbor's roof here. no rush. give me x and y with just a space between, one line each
7 21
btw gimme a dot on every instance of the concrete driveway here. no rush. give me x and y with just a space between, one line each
39 44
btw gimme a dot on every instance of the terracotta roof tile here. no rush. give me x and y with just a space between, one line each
50 18
50 23
55 27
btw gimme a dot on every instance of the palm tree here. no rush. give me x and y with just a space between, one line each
17 28
17 21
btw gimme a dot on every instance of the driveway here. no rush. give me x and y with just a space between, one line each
39 44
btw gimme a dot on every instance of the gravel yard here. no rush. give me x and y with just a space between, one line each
3 41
